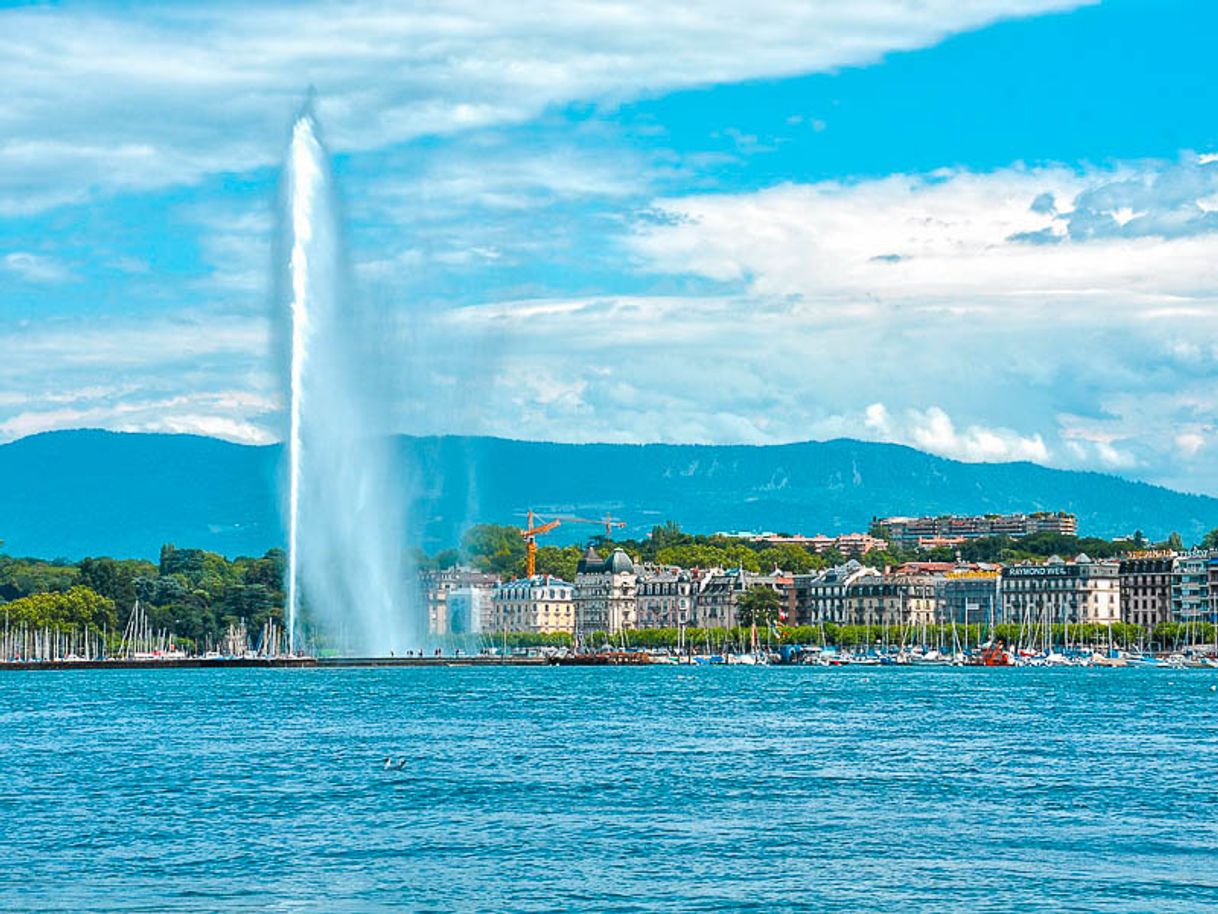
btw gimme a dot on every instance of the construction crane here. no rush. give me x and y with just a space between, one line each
608 522
530 534
536 528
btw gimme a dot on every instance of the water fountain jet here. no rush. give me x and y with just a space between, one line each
345 508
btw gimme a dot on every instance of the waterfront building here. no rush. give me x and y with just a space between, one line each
892 599
1190 586
438 587
471 607
1146 586
605 593
1083 590
664 596
821 596
717 601
971 596
953 529
1213 588
542 604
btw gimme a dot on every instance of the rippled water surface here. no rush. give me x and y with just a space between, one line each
561 789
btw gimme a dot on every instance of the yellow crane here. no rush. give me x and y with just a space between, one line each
530 534
536 528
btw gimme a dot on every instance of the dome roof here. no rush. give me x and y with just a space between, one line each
619 562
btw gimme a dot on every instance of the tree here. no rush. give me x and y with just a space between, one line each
1175 543
668 534
560 561
759 605
1210 540
77 606
493 547
114 578
789 557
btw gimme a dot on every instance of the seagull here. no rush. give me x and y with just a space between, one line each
388 762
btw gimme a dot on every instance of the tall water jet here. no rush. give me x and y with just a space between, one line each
345 511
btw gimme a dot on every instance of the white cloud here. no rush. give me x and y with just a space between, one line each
218 415
35 268
144 98
1083 304
140 375
933 430
956 241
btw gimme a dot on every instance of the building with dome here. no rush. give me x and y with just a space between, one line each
605 593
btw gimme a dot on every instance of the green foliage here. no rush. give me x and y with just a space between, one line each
78 606
669 534
23 577
1183 634
494 548
759 606
711 552
190 593
790 558
559 561
115 579
949 636
445 558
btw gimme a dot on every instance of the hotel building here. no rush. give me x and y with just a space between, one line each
1058 592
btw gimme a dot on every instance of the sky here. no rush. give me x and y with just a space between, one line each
984 228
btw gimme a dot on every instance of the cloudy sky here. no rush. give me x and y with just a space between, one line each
984 228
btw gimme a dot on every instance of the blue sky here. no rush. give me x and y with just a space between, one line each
986 229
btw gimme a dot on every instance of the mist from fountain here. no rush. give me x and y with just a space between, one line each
347 567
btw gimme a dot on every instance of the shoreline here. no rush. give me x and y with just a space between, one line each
220 663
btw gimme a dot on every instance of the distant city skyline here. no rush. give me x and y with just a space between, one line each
985 230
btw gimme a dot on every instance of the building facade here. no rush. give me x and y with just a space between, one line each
471 608
1146 586
1059 592
892 599
664 597
821 597
542 604
717 602
1190 586
971 597
606 597
438 588
953 529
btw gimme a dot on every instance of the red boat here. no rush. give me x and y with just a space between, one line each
994 655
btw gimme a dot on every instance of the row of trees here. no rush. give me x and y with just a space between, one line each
190 592
948 636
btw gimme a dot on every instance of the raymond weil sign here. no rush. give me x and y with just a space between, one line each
1040 571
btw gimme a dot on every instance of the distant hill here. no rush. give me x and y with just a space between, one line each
80 493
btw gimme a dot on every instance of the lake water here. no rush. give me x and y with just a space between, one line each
567 789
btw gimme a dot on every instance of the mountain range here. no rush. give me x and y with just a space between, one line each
75 493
